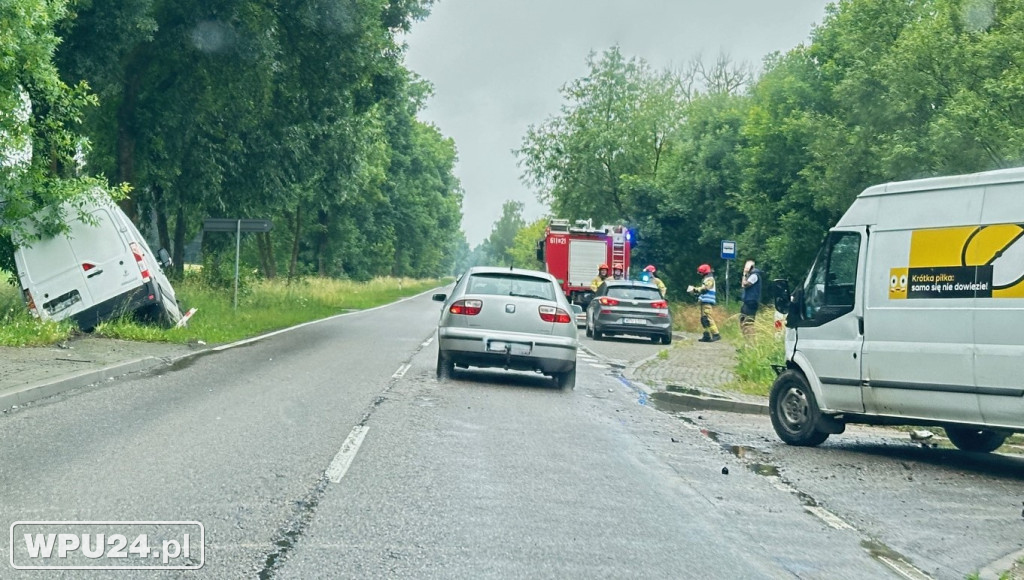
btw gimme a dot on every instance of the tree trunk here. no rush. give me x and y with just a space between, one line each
179 243
321 246
295 242
163 235
126 143
266 250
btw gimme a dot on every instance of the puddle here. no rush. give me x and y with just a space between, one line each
764 469
694 391
669 403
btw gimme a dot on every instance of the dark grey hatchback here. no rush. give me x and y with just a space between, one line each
629 307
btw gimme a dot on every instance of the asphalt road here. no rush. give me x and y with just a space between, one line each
492 474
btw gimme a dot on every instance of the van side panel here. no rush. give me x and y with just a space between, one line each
999 320
918 351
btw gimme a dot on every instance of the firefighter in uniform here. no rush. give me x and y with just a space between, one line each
602 275
706 296
617 271
648 276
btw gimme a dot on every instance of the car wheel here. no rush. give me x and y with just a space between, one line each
667 339
794 412
445 366
590 333
567 380
598 335
977 440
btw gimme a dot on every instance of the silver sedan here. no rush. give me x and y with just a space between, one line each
507 318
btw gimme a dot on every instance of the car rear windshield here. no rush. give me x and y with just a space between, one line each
634 293
511 285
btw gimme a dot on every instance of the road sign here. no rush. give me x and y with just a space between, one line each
728 250
236 225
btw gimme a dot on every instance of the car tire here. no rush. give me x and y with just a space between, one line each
794 411
655 338
975 440
445 366
667 339
567 380
590 333
598 335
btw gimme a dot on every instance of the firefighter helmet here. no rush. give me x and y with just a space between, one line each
617 266
650 269
603 267
703 269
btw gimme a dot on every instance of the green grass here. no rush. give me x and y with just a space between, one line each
263 305
18 328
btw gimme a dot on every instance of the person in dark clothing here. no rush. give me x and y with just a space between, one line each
751 283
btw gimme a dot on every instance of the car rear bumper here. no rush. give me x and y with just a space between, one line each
549 354
617 324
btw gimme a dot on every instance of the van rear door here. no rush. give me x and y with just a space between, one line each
49 270
830 332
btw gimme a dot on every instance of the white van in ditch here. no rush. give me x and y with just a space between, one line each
95 271
912 314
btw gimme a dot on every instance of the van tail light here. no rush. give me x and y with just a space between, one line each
552 314
137 252
86 266
606 301
659 304
30 302
467 307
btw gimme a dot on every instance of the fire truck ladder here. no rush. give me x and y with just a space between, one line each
618 251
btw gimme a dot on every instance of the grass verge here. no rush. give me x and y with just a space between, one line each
263 306
754 355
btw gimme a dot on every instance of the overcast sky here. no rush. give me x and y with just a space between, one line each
497 66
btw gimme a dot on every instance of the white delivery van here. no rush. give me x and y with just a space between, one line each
912 313
94 272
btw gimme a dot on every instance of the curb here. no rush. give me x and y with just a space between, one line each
995 570
48 388
711 403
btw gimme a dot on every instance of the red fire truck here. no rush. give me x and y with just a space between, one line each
572 252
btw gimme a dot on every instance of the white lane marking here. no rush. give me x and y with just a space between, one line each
426 343
829 517
401 371
341 462
312 322
904 569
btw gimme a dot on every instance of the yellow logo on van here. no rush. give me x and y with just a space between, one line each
963 262
898 283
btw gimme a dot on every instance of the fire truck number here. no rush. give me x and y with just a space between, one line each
560 240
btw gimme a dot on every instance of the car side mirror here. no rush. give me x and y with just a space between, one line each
165 258
782 298
439 297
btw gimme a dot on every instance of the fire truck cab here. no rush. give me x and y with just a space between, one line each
572 253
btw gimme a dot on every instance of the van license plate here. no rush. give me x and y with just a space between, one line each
516 348
634 321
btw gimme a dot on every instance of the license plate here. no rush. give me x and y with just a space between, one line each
634 321
517 348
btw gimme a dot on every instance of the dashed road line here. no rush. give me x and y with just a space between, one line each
341 462
401 371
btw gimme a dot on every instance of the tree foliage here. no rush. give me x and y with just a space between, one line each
883 90
300 111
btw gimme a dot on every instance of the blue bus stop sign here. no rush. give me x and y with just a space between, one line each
728 250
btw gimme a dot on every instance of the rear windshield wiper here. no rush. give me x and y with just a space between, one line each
516 294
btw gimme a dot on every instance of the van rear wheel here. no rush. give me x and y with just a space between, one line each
794 411
976 440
